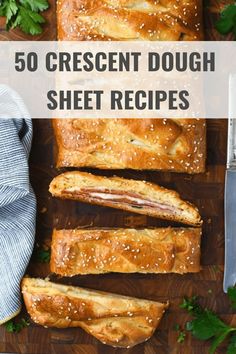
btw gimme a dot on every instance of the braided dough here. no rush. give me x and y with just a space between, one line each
164 250
176 145
116 320
127 194
116 20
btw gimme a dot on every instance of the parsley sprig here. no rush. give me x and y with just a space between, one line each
207 325
42 255
15 326
232 345
227 21
24 14
232 296
181 334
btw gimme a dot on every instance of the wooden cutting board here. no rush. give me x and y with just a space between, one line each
206 191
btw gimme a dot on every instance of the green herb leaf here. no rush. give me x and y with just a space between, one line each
234 30
14 326
35 5
232 296
176 327
181 337
43 255
181 333
218 340
8 9
232 345
24 14
25 322
29 21
10 326
207 325
191 305
227 21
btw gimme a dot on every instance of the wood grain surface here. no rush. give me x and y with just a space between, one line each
205 190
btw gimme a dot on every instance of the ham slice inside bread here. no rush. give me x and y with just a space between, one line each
127 194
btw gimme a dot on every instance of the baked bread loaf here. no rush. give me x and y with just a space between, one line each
126 20
127 194
172 145
116 320
177 145
164 250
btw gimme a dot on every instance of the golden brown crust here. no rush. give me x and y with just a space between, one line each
133 195
96 251
116 320
117 20
176 145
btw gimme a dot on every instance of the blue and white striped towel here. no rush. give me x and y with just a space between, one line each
17 200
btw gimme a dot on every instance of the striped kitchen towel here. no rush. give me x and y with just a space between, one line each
17 200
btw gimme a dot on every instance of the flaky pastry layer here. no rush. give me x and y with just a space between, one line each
96 251
113 319
176 145
133 195
129 20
